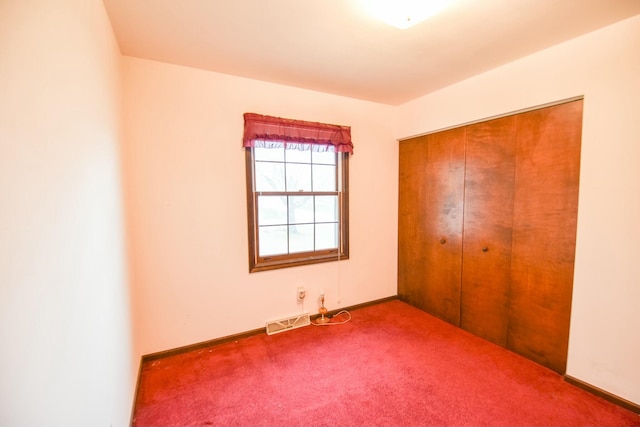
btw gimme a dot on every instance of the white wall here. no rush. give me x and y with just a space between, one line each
604 66
64 304
66 356
186 204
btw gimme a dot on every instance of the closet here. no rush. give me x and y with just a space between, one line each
487 226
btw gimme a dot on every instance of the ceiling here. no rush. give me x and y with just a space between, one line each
332 46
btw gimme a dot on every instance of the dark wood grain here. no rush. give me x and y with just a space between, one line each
412 262
430 223
488 219
443 224
544 232
487 228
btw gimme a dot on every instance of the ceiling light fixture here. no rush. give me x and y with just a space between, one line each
403 13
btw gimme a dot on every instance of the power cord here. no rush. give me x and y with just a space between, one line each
335 323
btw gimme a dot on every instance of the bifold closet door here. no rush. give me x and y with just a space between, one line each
443 223
431 190
488 218
412 182
544 232
487 228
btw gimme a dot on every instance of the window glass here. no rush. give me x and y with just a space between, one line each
326 236
297 206
273 240
301 238
326 209
298 156
269 154
298 177
272 210
269 176
324 178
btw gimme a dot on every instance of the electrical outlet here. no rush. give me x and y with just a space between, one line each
301 293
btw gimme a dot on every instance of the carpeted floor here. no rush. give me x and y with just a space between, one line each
391 365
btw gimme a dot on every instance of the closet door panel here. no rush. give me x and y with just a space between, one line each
412 261
488 219
544 234
443 223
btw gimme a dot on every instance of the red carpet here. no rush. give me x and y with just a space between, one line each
392 365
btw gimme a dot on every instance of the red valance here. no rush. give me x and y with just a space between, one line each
267 131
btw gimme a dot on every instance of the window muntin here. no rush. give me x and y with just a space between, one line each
298 205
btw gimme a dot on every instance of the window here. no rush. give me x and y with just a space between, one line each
297 191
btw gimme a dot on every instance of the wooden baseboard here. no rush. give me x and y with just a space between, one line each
200 345
355 307
135 393
603 394
235 337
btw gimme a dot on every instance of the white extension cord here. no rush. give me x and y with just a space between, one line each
335 323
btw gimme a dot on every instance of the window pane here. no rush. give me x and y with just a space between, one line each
269 176
326 236
270 154
296 206
298 177
298 156
272 210
326 209
301 238
273 240
324 178
324 157
300 209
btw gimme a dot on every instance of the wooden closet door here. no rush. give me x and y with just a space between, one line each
412 261
430 223
488 218
544 232
443 223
